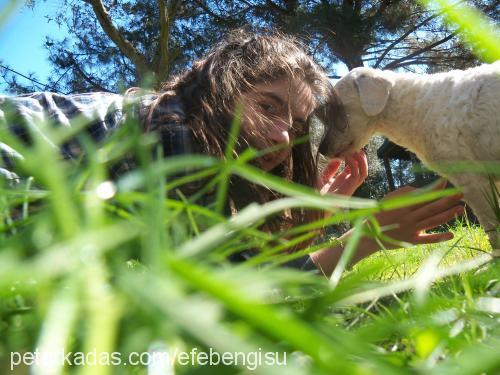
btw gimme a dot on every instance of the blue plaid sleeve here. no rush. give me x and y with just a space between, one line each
23 115
100 113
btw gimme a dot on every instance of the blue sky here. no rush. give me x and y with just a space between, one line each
22 37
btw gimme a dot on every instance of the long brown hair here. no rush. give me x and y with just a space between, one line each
208 91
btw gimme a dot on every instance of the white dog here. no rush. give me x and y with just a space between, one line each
442 118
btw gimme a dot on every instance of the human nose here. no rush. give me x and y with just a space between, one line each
279 133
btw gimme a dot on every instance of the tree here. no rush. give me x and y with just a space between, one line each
116 44
121 43
386 34
112 45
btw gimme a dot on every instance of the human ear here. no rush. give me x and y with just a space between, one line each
373 91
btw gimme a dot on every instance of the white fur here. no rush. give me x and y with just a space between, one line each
445 117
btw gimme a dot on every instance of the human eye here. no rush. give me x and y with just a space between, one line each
268 107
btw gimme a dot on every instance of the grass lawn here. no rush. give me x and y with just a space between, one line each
102 270
140 273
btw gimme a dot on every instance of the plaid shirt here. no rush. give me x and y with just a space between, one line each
102 114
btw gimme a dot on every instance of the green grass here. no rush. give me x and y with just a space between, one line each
469 241
86 268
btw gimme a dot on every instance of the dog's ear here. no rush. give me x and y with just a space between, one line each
373 89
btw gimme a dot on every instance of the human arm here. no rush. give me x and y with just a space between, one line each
408 225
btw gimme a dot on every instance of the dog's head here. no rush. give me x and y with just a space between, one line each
364 93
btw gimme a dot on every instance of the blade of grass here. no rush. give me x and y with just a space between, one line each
347 254
7 11
401 286
274 322
220 198
57 329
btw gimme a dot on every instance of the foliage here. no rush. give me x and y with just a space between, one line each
88 265
115 44
476 29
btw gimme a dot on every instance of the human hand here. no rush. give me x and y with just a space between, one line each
411 222
347 181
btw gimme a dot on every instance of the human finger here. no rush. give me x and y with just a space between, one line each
428 238
400 191
441 218
352 163
359 160
363 164
410 189
327 176
436 185
437 206
439 184
340 180
331 169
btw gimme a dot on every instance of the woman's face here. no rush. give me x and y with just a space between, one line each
272 114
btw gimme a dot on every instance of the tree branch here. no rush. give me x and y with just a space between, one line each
398 62
402 37
140 62
275 6
167 14
211 13
357 6
95 85
383 6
